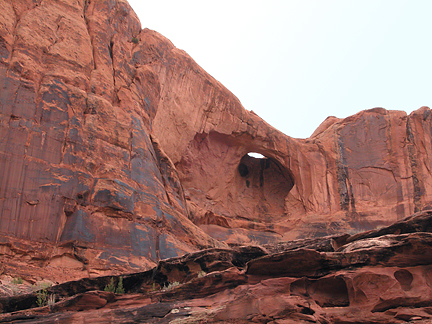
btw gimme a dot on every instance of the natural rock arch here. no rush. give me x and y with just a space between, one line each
263 184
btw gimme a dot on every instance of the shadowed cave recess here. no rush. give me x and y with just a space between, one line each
239 195
263 184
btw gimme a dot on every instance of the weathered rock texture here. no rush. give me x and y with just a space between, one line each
355 174
80 172
118 150
119 154
380 276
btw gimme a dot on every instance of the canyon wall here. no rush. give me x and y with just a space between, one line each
352 174
118 150
79 168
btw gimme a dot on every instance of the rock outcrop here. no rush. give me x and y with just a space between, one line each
381 276
80 172
117 150
120 157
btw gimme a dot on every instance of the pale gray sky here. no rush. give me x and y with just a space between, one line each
295 63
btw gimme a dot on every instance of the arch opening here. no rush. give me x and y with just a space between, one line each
262 186
256 155
251 160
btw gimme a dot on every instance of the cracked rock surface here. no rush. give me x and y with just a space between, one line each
118 152
388 281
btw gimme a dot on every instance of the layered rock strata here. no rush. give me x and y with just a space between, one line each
380 276
118 150
80 172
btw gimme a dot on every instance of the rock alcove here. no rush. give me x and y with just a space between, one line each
235 195
263 184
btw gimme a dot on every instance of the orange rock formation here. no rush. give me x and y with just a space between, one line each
112 137
117 150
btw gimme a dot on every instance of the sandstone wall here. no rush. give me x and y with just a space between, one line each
352 174
117 146
76 157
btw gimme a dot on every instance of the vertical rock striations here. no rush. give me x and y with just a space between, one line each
117 150
78 166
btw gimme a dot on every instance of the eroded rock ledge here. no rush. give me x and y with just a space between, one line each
380 276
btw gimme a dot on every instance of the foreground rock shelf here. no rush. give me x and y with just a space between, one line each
379 276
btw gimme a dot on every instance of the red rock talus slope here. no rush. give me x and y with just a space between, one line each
117 150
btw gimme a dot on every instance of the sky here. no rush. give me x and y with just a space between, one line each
294 63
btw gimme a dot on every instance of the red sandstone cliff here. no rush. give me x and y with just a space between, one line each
79 170
120 149
358 173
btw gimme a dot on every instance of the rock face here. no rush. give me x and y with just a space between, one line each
119 154
118 150
366 171
355 174
379 276
80 171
